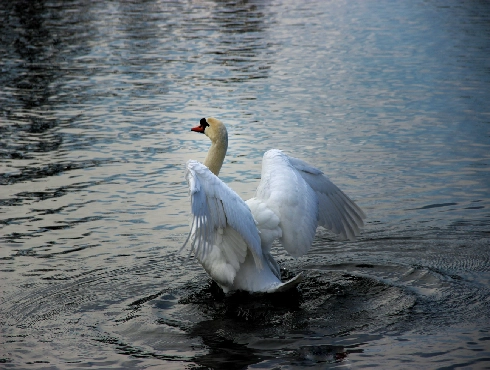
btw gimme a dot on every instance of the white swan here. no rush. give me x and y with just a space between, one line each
232 238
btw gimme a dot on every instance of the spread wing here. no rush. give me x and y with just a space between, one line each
285 205
222 228
299 197
337 212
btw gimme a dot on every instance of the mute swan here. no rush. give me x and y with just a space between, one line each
232 238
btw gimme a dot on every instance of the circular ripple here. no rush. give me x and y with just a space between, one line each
204 325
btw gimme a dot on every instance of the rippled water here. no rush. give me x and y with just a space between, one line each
390 99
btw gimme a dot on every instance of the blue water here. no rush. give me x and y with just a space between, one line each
389 99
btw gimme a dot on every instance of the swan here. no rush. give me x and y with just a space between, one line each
232 238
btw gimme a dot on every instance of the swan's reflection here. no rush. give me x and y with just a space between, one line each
247 329
223 353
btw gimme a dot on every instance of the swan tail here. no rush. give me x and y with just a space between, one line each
290 284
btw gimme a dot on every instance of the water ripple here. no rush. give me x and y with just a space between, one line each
96 103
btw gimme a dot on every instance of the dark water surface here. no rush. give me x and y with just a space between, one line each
390 99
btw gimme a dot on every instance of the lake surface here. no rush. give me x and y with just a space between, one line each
389 99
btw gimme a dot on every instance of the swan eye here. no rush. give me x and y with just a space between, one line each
203 123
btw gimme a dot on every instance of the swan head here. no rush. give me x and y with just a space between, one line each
212 128
216 131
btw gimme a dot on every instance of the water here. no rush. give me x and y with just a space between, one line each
390 99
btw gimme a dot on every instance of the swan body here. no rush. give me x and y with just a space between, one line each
232 238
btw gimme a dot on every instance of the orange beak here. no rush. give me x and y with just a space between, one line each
198 129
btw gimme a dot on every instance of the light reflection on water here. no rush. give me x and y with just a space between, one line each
97 100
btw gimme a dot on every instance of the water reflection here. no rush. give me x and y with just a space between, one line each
38 60
29 56
243 329
223 353
242 44
34 54
96 103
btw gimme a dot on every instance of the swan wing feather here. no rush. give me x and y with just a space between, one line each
337 212
283 191
222 227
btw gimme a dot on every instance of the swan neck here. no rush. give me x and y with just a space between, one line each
216 155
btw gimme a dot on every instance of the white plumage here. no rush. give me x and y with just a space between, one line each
232 238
